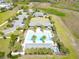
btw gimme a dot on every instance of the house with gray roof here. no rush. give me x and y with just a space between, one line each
1 1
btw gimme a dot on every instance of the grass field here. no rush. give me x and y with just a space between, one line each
54 11
5 15
71 20
66 5
65 39
4 44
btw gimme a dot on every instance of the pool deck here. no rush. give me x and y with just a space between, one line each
28 42
39 34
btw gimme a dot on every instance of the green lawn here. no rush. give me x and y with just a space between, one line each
4 43
65 39
5 15
53 11
63 5
71 20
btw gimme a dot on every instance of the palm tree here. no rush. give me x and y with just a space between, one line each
3 9
43 27
2 54
9 25
43 38
17 46
20 13
1 33
34 38
16 18
24 19
35 27
10 20
50 18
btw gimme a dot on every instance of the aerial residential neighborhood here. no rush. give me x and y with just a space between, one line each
39 29
5 6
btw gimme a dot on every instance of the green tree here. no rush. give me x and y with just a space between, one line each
3 9
17 47
12 40
19 28
35 27
20 13
25 19
9 25
43 27
34 38
16 18
43 38
1 33
10 20
2 54
12 57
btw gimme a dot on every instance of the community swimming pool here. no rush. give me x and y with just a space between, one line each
39 34
28 43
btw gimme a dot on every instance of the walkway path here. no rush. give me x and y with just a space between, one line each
3 23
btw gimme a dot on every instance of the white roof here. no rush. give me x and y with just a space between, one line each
37 14
39 21
2 5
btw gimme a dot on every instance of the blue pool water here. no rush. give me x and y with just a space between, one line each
39 35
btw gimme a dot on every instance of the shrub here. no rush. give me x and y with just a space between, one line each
12 40
16 18
14 4
43 27
24 7
62 48
10 20
3 9
12 57
39 51
34 38
1 33
19 28
35 27
2 54
43 38
17 47
24 19
20 13
9 25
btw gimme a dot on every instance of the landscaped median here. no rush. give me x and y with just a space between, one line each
64 38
